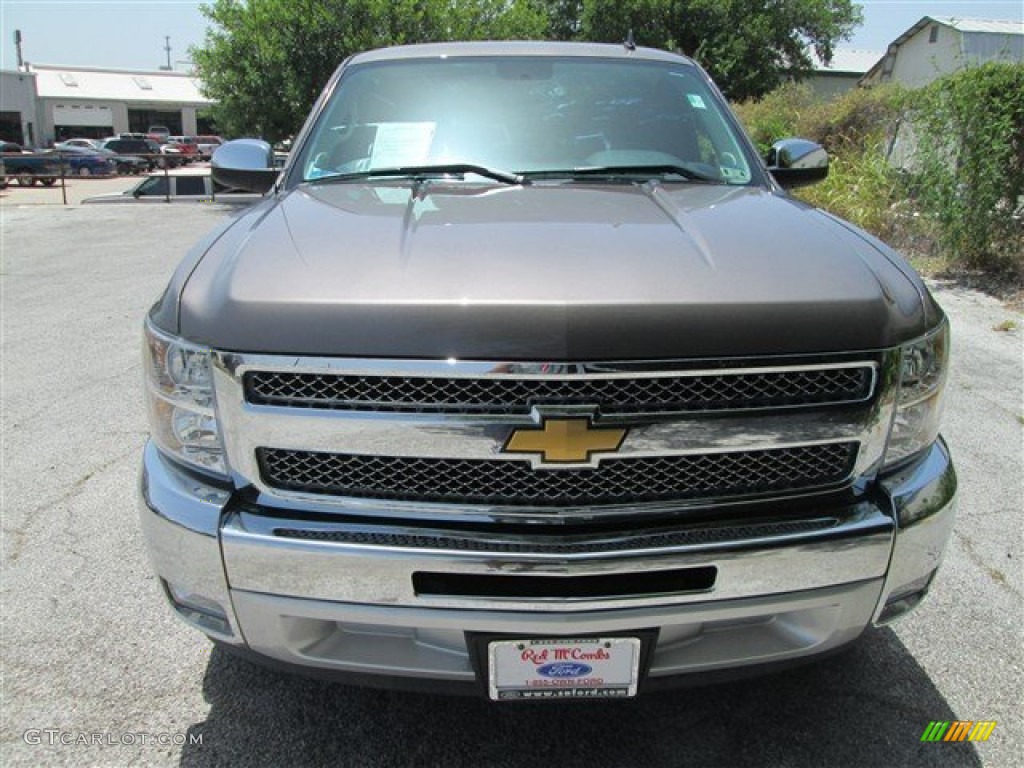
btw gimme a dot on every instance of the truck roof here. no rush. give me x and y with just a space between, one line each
517 48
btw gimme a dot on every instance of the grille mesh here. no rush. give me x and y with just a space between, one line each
663 394
515 483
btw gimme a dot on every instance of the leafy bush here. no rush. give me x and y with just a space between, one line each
777 115
853 121
860 119
863 189
969 159
854 128
963 197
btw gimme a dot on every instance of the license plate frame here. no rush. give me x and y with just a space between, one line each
538 668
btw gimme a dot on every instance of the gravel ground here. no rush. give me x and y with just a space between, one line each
89 648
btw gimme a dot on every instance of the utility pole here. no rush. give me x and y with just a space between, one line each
17 45
167 47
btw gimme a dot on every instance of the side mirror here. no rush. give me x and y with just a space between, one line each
245 164
797 162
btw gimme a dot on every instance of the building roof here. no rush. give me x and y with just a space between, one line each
56 82
847 60
981 39
978 26
993 26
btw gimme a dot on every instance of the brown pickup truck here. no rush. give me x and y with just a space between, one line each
529 377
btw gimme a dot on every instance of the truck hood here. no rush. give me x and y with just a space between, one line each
560 271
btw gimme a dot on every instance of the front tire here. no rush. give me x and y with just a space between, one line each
24 178
84 171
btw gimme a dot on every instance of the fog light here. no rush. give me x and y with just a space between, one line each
203 612
906 599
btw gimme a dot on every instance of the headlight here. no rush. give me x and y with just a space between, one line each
919 402
180 401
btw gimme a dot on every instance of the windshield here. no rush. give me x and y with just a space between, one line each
540 117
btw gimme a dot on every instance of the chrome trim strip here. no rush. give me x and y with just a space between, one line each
246 427
388 510
856 549
239 364
500 543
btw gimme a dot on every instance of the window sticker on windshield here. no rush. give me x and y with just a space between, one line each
401 144
696 101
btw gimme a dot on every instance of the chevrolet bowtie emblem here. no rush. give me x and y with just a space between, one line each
565 440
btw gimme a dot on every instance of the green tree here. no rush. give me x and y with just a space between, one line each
565 18
747 46
265 61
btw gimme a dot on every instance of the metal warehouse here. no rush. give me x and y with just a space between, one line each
95 102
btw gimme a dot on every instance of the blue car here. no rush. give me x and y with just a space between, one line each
80 161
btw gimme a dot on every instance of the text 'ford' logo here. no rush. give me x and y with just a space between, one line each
564 669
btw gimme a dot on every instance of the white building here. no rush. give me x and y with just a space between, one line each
18 107
937 46
842 73
92 102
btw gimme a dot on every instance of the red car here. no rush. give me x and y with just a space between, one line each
187 145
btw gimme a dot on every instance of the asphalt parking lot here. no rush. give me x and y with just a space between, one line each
89 647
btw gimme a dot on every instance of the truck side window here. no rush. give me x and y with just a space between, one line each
155 185
191 185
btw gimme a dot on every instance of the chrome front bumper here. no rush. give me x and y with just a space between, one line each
341 596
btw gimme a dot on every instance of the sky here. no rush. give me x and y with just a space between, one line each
129 34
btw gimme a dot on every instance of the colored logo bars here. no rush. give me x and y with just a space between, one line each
958 730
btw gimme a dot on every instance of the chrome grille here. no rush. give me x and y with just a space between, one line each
514 483
676 393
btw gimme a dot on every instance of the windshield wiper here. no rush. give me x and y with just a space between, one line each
612 171
423 172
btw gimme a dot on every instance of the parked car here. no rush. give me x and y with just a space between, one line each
145 148
158 133
187 145
207 145
175 158
530 377
84 143
180 188
10 148
124 164
27 167
185 156
81 161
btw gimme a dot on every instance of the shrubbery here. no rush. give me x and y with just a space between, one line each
962 198
969 159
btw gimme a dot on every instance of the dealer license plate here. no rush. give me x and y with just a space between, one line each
564 668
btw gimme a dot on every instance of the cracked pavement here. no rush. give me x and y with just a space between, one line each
89 647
